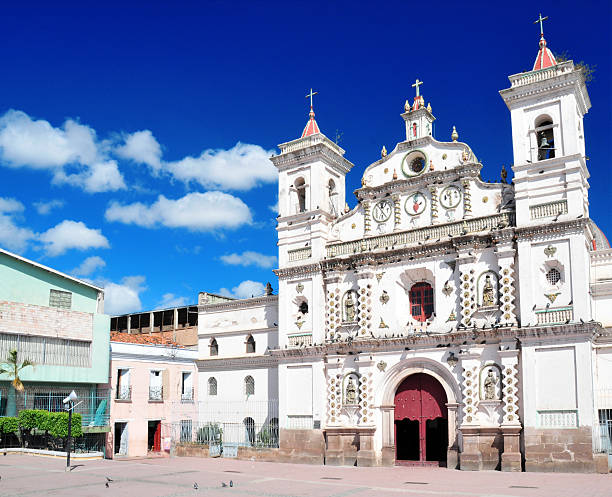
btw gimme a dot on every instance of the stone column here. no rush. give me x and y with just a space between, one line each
388 445
129 324
505 258
367 222
467 198
333 305
511 424
434 204
452 453
151 321
397 212
471 457
366 455
467 287
365 277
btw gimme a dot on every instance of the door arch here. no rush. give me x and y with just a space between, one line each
421 420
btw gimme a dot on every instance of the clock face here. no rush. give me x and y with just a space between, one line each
415 204
450 197
382 211
414 164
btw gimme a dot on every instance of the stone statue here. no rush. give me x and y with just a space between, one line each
349 308
488 292
490 386
350 396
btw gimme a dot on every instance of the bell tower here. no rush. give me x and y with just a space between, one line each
419 119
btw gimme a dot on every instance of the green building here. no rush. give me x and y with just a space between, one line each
57 322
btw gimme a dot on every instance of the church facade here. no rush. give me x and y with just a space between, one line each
443 320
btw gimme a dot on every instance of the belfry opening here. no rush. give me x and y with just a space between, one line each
421 421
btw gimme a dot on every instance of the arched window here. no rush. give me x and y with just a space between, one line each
249 386
249 425
545 138
214 347
250 345
421 301
212 386
553 276
333 194
300 186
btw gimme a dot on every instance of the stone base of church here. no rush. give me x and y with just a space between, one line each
350 446
388 456
559 450
452 458
302 446
482 448
511 459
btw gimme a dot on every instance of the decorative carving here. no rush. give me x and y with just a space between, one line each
382 324
454 134
465 155
488 292
550 251
299 288
384 298
382 366
350 310
379 276
552 296
447 289
452 317
489 382
490 386
383 152
351 396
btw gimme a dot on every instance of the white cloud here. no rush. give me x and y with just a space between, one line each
171 300
12 236
274 208
245 290
71 152
242 167
141 147
71 235
88 266
249 258
124 297
45 208
195 211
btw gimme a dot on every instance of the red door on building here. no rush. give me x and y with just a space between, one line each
421 426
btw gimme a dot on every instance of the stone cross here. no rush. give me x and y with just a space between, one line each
311 94
416 85
541 21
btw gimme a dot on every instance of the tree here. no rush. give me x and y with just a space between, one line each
13 368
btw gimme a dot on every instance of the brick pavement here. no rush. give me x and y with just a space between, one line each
34 476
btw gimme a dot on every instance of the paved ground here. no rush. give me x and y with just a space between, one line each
34 476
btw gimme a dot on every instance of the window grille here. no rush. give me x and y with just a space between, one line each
186 430
212 386
553 276
47 350
421 301
60 299
249 385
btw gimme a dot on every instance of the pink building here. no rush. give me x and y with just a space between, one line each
154 391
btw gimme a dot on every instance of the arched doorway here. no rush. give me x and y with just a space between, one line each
421 421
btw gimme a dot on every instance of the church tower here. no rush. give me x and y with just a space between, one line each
547 105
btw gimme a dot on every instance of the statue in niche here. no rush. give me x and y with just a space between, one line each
488 292
350 313
350 396
490 386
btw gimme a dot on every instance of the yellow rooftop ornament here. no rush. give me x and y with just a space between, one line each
383 152
429 107
407 106
454 135
346 207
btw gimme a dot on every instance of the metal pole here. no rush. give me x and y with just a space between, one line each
69 436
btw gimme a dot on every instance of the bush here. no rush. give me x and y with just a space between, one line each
59 425
9 425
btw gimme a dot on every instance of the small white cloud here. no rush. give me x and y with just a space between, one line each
88 266
170 300
141 147
195 211
242 167
98 177
249 258
10 205
124 297
12 236
44 208
71 235
245 290
274 208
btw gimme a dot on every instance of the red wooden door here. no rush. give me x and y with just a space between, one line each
420 397
157 438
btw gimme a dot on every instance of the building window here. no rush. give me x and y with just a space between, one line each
249 426
421 301
250 345
300 186
249 386
553 276
155 386
546 140
212 386
124 389
59 299
214 347
186 430
186 387
52 402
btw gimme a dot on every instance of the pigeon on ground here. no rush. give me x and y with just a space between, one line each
231 483
195 486
223 484
106 485
109 479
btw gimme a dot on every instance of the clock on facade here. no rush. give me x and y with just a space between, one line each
382 211
450 197
414 163
415 204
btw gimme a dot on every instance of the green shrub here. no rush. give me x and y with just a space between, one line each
9 425
59 425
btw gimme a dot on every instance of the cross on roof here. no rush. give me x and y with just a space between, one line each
311 94
541 21
416 85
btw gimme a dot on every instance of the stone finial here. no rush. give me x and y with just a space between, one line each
407 106
454 135
394 175
346 207
429 107
383 152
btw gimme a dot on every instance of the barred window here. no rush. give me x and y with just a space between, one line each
47 350
186 430
212 386
60 299
249 385
553 276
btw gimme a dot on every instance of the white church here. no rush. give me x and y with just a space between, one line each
444 320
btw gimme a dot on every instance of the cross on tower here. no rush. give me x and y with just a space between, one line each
416 85
311 94
541 21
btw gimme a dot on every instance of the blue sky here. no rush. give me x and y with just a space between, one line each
134 138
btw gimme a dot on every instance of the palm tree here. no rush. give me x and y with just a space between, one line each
12 368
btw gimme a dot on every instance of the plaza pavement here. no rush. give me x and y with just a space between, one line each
22 475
